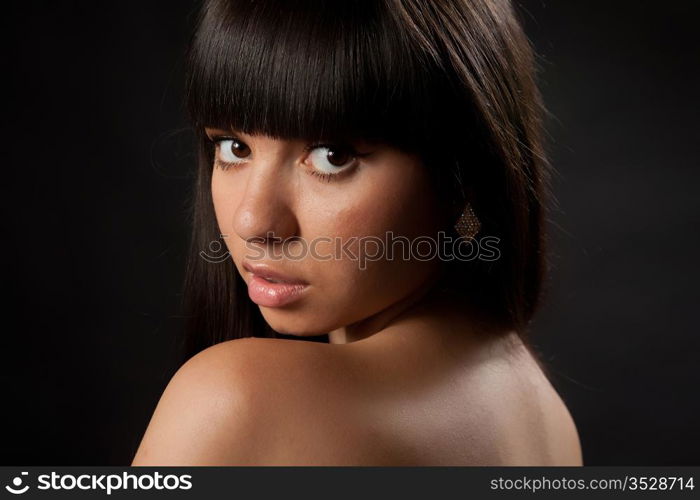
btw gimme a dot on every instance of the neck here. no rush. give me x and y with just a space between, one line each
379 321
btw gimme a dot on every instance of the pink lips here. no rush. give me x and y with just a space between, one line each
270 288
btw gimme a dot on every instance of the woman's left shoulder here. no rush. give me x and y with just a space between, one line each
235 402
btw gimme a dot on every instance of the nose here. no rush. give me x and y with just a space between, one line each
265 214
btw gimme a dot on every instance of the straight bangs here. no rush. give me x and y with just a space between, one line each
314 70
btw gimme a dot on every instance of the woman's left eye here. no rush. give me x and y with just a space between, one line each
328 161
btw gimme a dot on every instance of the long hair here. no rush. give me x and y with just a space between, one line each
450 80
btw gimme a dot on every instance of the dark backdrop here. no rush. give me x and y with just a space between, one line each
96 158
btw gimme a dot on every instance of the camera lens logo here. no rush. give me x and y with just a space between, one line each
216 255
17 483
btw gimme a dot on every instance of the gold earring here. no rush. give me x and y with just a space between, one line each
468 224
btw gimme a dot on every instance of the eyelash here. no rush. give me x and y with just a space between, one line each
324 177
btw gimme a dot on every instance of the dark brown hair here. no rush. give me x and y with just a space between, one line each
451 80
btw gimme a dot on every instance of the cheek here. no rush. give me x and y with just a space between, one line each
396 198
225 197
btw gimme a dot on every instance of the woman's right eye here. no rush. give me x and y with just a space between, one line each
231 151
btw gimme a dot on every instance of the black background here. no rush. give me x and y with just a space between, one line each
96 164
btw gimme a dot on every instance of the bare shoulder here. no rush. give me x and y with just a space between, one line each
245 402
527 414
285 402
493 406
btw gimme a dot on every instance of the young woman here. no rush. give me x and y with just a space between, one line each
375 171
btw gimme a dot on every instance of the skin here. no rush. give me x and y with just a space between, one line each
274 192
410 377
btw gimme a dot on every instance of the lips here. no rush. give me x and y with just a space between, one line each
273 276
271 288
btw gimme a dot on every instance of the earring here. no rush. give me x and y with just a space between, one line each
468 224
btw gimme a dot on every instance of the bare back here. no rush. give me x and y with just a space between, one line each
389 401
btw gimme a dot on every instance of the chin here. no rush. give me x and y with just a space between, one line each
293 322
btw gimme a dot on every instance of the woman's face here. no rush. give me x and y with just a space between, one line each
322 218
